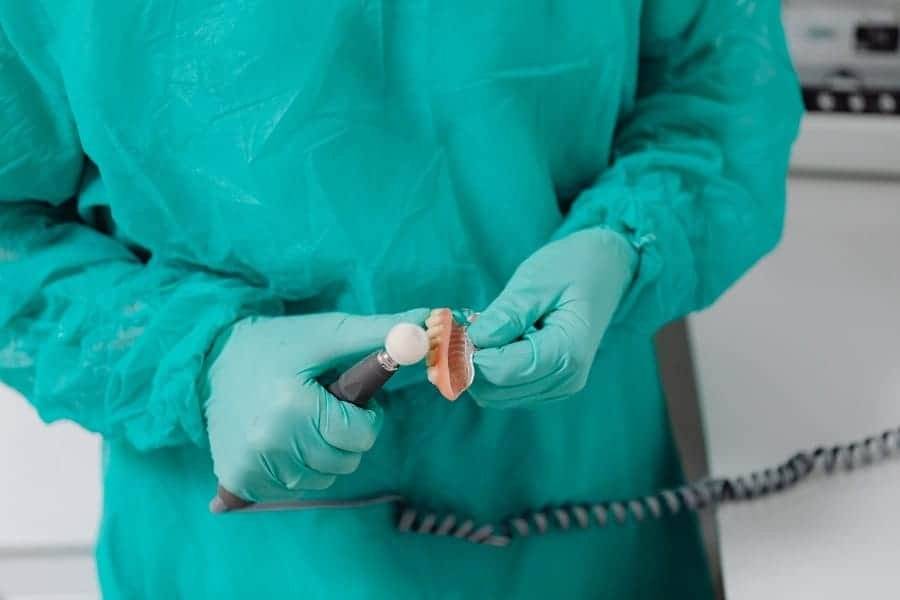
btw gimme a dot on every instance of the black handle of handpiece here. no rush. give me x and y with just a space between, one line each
356 385
360 382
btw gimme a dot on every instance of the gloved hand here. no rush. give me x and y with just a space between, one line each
273 430
538 339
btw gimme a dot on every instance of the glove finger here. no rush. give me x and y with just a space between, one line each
487 395
262 479
356 335
531 359
519 306
533 370
287 473
314 452
345 426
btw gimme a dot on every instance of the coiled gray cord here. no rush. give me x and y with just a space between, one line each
691 497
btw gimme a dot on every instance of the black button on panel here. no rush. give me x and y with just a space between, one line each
878 37
828 100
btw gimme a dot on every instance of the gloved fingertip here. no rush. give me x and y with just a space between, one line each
491 328
505 365
217 506
493 367
486 357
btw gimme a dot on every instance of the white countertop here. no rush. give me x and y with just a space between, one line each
804 351
841 143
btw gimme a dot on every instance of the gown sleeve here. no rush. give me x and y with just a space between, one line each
89 332
698 176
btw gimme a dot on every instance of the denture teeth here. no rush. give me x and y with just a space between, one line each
432 373
437 316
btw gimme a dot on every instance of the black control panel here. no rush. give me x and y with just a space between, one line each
847 55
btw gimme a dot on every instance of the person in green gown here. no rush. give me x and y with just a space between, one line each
206 206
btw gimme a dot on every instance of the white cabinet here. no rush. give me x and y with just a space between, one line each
806 350
49 508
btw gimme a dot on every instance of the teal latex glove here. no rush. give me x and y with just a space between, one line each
539 337
274 431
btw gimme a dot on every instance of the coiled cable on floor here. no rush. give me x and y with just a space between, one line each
691 497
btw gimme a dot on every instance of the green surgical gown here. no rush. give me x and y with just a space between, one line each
168 167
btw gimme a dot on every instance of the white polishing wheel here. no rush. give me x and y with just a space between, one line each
406 343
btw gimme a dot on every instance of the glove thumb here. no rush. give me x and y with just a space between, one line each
350 336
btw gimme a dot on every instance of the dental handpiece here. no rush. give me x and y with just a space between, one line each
405 344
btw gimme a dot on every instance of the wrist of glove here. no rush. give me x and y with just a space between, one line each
537 341
274 431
